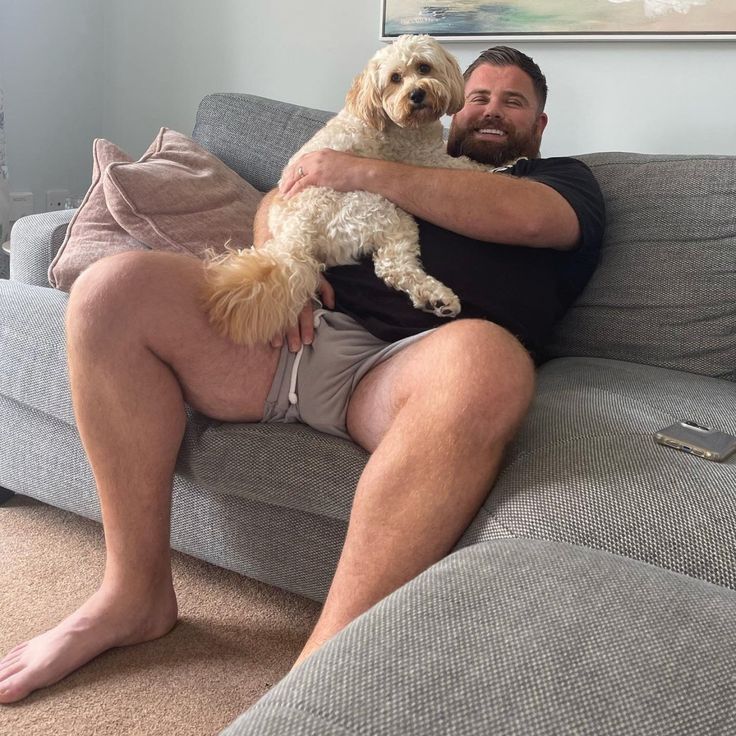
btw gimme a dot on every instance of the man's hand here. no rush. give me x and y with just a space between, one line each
496 209
303 331
344 172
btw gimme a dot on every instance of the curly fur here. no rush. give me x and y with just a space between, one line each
254 294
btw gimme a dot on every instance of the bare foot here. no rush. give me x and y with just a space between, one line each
106 620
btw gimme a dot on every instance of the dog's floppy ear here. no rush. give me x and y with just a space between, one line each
455 82
364 99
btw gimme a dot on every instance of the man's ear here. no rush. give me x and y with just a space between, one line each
542 121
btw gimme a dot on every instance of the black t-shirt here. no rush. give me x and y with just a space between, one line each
524 289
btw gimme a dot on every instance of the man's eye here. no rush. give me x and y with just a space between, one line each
396 77
425 68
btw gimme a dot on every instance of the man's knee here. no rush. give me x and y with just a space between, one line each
104 296
487 372
103 279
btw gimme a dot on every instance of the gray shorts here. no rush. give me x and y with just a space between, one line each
314 386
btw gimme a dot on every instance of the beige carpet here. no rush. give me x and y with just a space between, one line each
235 638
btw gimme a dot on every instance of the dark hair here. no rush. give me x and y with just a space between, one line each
506 56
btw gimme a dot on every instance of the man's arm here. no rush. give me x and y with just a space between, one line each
261 233
489 207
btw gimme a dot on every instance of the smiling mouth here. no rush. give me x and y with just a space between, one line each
493 132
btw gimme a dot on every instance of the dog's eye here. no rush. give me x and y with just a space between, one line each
396 77
425 68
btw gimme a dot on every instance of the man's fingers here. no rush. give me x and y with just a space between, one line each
306 325
326 292
303 331
298 334
293 340
292 179
287 183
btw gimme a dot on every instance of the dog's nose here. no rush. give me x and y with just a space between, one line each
417 96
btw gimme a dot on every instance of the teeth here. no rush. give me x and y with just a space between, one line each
491 131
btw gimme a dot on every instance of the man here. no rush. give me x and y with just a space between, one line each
435 407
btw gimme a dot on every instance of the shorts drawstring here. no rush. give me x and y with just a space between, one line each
293 398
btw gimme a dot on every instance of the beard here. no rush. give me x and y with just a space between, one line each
485 150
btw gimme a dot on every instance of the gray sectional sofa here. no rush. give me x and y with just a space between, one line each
595 592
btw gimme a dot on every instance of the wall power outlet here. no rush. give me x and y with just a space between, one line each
55 199
21 204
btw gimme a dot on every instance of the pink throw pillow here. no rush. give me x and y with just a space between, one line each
176 197
92 232
180 197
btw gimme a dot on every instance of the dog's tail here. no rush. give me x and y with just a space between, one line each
251 295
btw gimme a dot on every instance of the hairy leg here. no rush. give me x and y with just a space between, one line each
437 418
139 346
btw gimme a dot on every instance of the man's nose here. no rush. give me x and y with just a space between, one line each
492 111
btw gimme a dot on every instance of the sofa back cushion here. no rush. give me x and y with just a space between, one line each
664 293
253 135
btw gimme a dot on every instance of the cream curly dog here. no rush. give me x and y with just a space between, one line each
392 112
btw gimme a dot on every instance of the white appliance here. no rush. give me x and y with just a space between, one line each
4 186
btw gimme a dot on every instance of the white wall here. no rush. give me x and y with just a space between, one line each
162 63
64 86
51 61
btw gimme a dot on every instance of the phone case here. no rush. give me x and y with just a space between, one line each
697 440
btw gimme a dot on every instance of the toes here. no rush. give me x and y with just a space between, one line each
11 670
10 660
12 656
13 688
14 650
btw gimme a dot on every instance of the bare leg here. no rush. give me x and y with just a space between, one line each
139 346
437 418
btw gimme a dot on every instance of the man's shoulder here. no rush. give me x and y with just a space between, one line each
570 176
531 166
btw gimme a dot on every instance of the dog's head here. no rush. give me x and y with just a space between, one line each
411 82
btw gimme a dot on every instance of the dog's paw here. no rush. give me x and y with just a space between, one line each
444 309
440 301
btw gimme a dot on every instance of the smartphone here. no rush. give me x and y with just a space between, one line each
697 440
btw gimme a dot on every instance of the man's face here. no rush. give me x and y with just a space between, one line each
500 120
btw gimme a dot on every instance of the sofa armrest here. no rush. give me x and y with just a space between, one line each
519 636
34 241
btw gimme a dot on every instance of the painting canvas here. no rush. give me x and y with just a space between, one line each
561 19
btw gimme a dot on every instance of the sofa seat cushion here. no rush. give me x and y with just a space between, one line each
585 469
287 465
521 637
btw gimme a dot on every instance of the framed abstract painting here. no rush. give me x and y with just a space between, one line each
561 20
